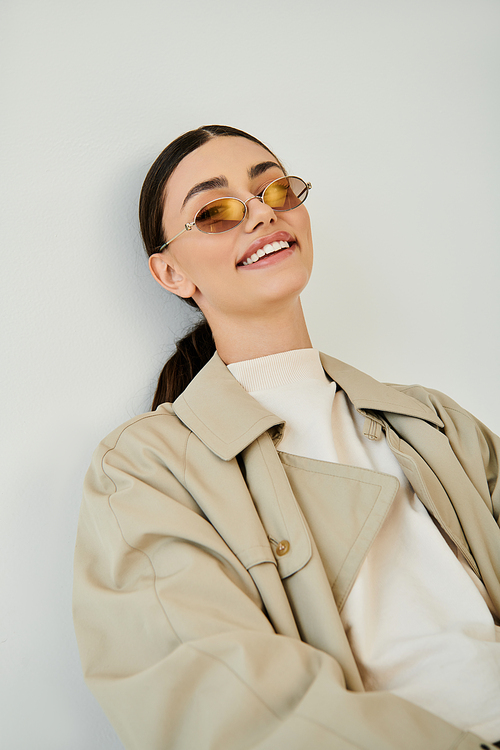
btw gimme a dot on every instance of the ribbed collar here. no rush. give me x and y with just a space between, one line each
227 419
277 370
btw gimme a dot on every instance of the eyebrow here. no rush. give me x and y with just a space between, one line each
259 169
221 181
212 184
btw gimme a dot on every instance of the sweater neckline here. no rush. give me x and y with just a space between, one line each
278 370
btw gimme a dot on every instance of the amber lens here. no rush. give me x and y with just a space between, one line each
285 193
220 215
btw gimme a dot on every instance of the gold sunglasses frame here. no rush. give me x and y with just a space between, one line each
260 196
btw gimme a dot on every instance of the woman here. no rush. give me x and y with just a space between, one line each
285 551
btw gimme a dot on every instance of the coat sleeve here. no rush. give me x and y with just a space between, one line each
479 451
176 645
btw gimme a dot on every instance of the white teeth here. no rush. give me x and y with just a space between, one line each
266 250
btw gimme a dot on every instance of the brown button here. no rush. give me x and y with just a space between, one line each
283 547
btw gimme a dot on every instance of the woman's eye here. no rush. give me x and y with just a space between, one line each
209 212
276 194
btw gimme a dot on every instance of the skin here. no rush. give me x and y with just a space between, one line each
252 310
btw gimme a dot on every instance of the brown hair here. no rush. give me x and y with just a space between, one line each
197 347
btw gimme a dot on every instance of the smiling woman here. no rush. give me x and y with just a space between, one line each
185 187
284 551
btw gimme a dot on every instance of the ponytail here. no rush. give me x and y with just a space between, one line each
191 354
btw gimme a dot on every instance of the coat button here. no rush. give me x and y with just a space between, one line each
283 547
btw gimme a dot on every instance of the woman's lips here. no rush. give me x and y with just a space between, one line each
265 246
270 258
269 249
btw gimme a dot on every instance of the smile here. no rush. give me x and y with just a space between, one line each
269 249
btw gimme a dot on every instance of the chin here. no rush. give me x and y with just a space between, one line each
287 285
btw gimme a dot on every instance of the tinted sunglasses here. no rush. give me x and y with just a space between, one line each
223 214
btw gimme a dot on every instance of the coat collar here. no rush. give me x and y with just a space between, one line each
226 419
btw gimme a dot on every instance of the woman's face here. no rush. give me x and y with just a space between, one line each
208 267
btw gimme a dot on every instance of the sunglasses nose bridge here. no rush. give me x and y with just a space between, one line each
252 197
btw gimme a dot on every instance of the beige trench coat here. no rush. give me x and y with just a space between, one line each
204 615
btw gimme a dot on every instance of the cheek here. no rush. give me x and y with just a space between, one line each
299 219
208 259
306 221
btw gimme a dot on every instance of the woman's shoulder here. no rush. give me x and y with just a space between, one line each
439 402
158 433
434 399
458 423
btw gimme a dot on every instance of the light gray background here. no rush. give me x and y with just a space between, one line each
390 107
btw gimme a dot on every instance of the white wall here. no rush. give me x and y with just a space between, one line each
390 108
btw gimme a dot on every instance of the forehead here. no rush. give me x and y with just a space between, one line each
226 155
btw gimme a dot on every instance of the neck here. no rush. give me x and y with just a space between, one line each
248 339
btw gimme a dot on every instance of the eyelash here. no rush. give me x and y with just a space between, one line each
261 190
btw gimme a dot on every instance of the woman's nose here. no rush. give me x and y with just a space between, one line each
258 213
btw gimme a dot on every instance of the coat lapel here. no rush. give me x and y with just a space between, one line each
227 420
352 501
220 412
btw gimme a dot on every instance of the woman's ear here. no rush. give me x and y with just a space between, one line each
164 270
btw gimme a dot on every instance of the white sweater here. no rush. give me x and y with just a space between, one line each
418 618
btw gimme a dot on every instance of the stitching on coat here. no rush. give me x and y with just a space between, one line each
233 440
276 493
131 546
369 484
267 559
379 525
351 466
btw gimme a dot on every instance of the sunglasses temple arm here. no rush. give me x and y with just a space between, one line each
306 189
187 228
